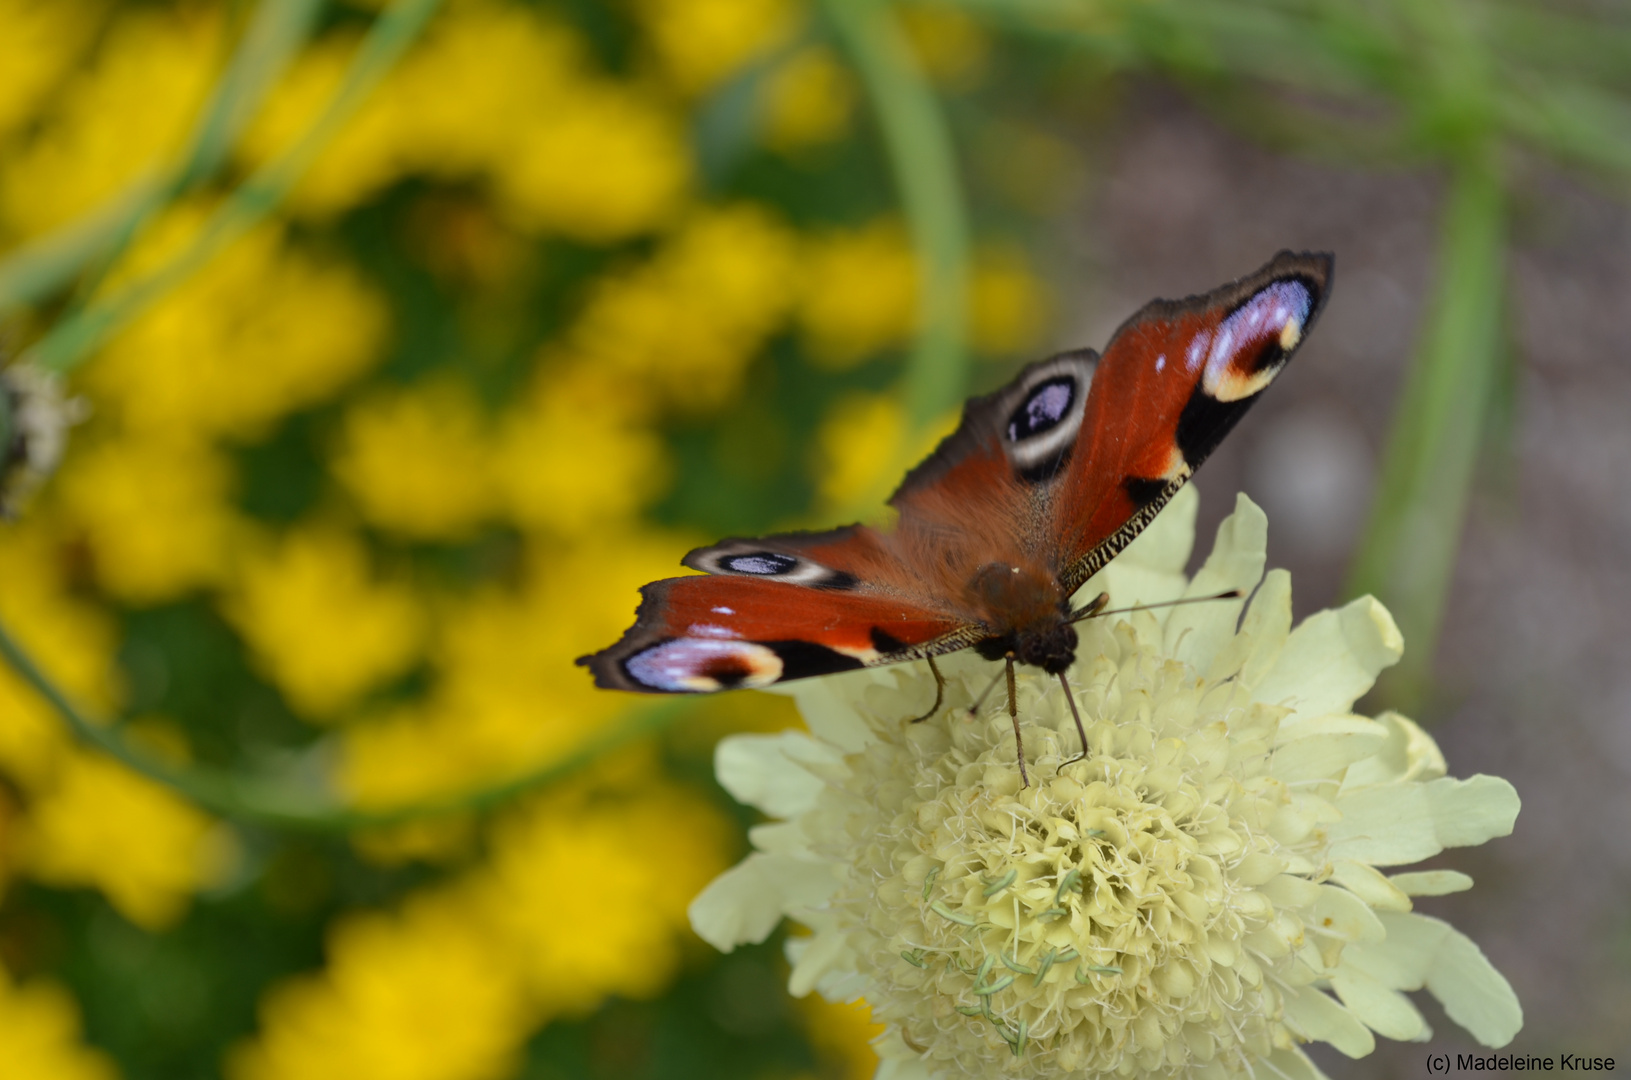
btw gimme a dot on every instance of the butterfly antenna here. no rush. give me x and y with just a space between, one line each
939 692
1075 715
1096 608
1013 714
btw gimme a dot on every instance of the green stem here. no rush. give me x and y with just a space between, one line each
71 340
39 268
924 163
1410 545
259 801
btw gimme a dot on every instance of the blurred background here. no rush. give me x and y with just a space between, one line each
407 340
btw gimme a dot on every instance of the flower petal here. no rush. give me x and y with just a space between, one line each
1423 951
1395 824
745 903
1195 632
1151 568
1293 1064
1431 882
1410 754
1315 1015
897 1061
763 771
1371 885
1385 1011
824 952
828 705
1331 659
1321 748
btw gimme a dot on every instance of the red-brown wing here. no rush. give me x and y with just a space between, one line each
705 633
777 608
1174 380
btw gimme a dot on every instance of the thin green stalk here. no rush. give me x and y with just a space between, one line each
924 162
261 801
1409 549
41 267
74 338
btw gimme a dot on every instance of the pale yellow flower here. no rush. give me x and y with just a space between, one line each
40 1037
318 620
416 461
1199 896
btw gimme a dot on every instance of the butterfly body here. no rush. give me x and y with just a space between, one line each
1042 483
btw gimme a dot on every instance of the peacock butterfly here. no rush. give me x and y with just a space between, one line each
1042 483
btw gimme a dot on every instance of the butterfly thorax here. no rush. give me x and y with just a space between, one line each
1027 615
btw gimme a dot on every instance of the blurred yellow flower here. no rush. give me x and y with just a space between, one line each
607 162
265 329
861 450
842 1034
860 293
507 696
856 449
688 322
617 873
40 1038
950 44
420 994
416 460
1009 304
701 43
576 452
809 100
362 157
70 640
153 514
117 122
40 41
103 826
319 622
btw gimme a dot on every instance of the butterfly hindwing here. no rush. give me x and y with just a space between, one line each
1173 381
717 632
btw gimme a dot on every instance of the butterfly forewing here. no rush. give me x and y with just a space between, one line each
1174 380
704 633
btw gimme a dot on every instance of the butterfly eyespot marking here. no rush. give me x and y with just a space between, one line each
746 559
1044 414
1254 340
702 665
760 563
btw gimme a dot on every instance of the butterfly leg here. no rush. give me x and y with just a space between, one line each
939 692
974 709
1013 714
1074 715
1094 606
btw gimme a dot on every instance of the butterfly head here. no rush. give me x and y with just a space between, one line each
1027 614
